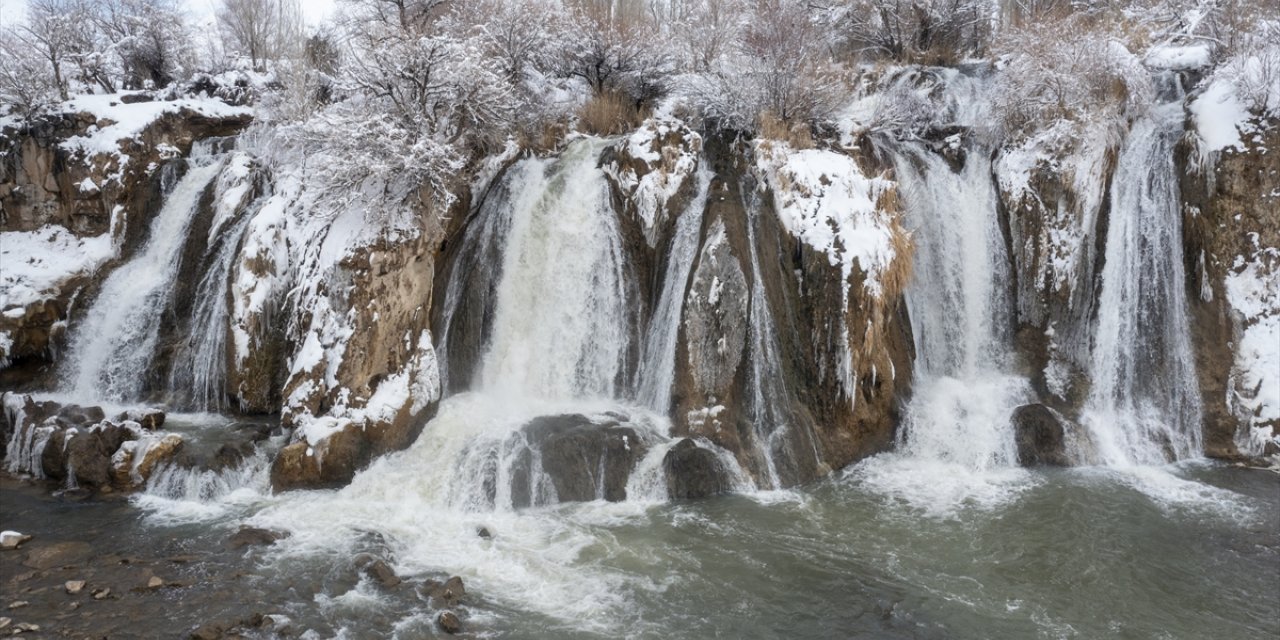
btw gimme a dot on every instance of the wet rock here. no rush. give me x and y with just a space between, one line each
23 627
88 458
380 572
249 536
163 451
114 435
1040 433
449 622
443 595
12 539
101 594
18 604
693 472
149 419
586 460
74 587
484 533
78 415
208 631
59 554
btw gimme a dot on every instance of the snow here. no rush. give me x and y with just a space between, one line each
1253 290
667 167
1219 116
34 264
129 120
1177 57
823 199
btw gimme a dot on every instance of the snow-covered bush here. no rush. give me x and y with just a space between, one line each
262 30
1066 71
780 66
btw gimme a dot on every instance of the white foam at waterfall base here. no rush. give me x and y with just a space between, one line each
956 444
113 345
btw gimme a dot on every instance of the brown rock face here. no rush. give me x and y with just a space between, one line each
1231 217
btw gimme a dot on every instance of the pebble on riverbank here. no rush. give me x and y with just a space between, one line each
12 539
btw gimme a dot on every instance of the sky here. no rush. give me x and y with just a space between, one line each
11 11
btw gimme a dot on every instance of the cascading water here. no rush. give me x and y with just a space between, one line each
112 348
203 382
960 314
1144 406
657 368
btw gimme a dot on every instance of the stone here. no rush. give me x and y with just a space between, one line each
165 450
88 459
484 533
134 98
59 554
74 587
18 604
382 572
1040 433
150 419
23 627
449 622
248 536
101 594
586 460
78 415
207 631
155 582
693 472
5 622
443 595
12 539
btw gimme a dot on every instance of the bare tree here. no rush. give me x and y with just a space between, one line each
263 30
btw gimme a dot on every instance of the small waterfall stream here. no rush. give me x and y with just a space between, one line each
1144 406
113 346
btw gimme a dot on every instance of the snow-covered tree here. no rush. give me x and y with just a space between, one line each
150 38
261 30
26 81
928 31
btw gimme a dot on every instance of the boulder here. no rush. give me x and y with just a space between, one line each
449 622
586 460
161 451
694 472
1041 436
88 459
74 587
248 536
443 595
378 570
78 415
150 419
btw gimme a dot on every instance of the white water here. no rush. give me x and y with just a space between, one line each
561 327
961 315
203 382
658 366
1144 406
112 347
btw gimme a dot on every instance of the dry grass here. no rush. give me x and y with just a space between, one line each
610 113
798 135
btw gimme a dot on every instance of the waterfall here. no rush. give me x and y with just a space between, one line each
204 381
1144 406
112 348
961 314
658 366
542 265
560 326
